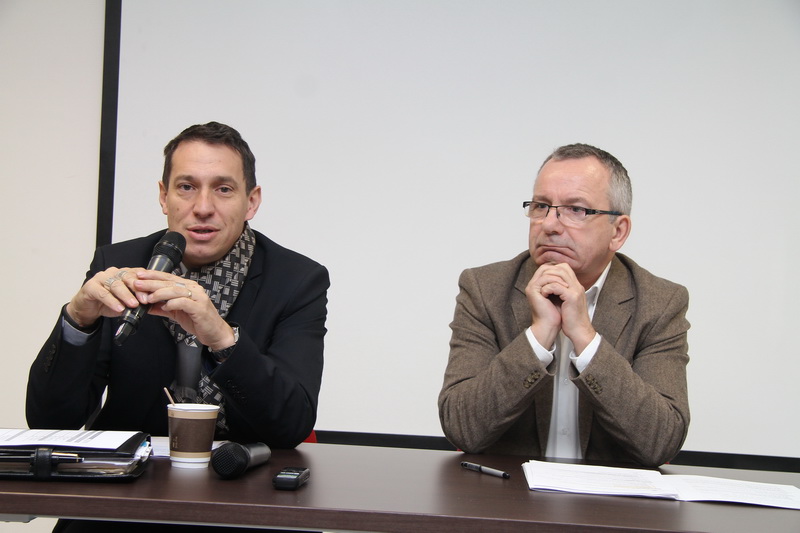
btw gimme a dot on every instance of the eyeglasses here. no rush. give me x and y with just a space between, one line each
569 215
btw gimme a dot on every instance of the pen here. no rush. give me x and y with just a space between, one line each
56 457
64 457
485 470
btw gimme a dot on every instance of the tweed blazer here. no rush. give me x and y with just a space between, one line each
271 381
497 396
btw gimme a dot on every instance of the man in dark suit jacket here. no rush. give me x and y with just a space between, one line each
570 350
262 349
239 323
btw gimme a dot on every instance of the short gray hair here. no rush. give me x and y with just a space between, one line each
620 195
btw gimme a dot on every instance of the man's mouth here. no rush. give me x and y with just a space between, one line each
202 232
553 248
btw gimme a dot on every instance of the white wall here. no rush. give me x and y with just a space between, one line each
396 140
50 85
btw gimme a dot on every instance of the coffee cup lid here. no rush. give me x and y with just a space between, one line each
192 407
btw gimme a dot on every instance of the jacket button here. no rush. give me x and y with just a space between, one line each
531 379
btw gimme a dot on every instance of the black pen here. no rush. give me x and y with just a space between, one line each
485 470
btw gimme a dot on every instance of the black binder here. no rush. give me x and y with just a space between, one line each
62 461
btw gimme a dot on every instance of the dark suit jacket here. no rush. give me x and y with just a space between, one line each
633 407
271 381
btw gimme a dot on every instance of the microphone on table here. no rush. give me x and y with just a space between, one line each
167 255
232 459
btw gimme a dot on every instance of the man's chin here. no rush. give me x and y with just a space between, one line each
197 258
543 257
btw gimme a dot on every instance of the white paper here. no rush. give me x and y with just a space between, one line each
588 479
704 488
103 440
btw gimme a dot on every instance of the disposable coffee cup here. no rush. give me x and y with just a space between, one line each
191 433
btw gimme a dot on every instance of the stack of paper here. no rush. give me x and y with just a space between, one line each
72 453
588 479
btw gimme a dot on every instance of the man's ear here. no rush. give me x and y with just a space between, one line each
622 228
162 197
253 201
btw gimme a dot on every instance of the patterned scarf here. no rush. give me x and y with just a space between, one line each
222 282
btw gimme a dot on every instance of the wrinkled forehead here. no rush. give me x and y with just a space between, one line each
568 181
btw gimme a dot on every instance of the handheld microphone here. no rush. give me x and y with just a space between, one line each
232 459
167 255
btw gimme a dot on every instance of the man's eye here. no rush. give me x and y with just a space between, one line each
226 190
575 210
538 206
184 187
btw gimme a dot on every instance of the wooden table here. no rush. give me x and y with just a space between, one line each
360 488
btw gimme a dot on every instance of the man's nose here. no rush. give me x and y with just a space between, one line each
204 204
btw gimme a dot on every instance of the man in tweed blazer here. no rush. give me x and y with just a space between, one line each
570 350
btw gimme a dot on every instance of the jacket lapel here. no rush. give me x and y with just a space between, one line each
612 313
614 305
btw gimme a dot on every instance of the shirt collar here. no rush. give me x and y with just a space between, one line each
594 291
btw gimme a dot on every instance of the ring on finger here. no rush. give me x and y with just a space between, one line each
110 281
190 294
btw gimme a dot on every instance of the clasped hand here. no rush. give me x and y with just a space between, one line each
110 292
558 303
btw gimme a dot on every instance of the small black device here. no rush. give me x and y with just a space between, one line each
291 478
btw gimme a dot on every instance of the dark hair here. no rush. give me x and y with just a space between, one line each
620 195
213 133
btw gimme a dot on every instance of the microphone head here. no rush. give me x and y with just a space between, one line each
167 254
172 245
230 460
